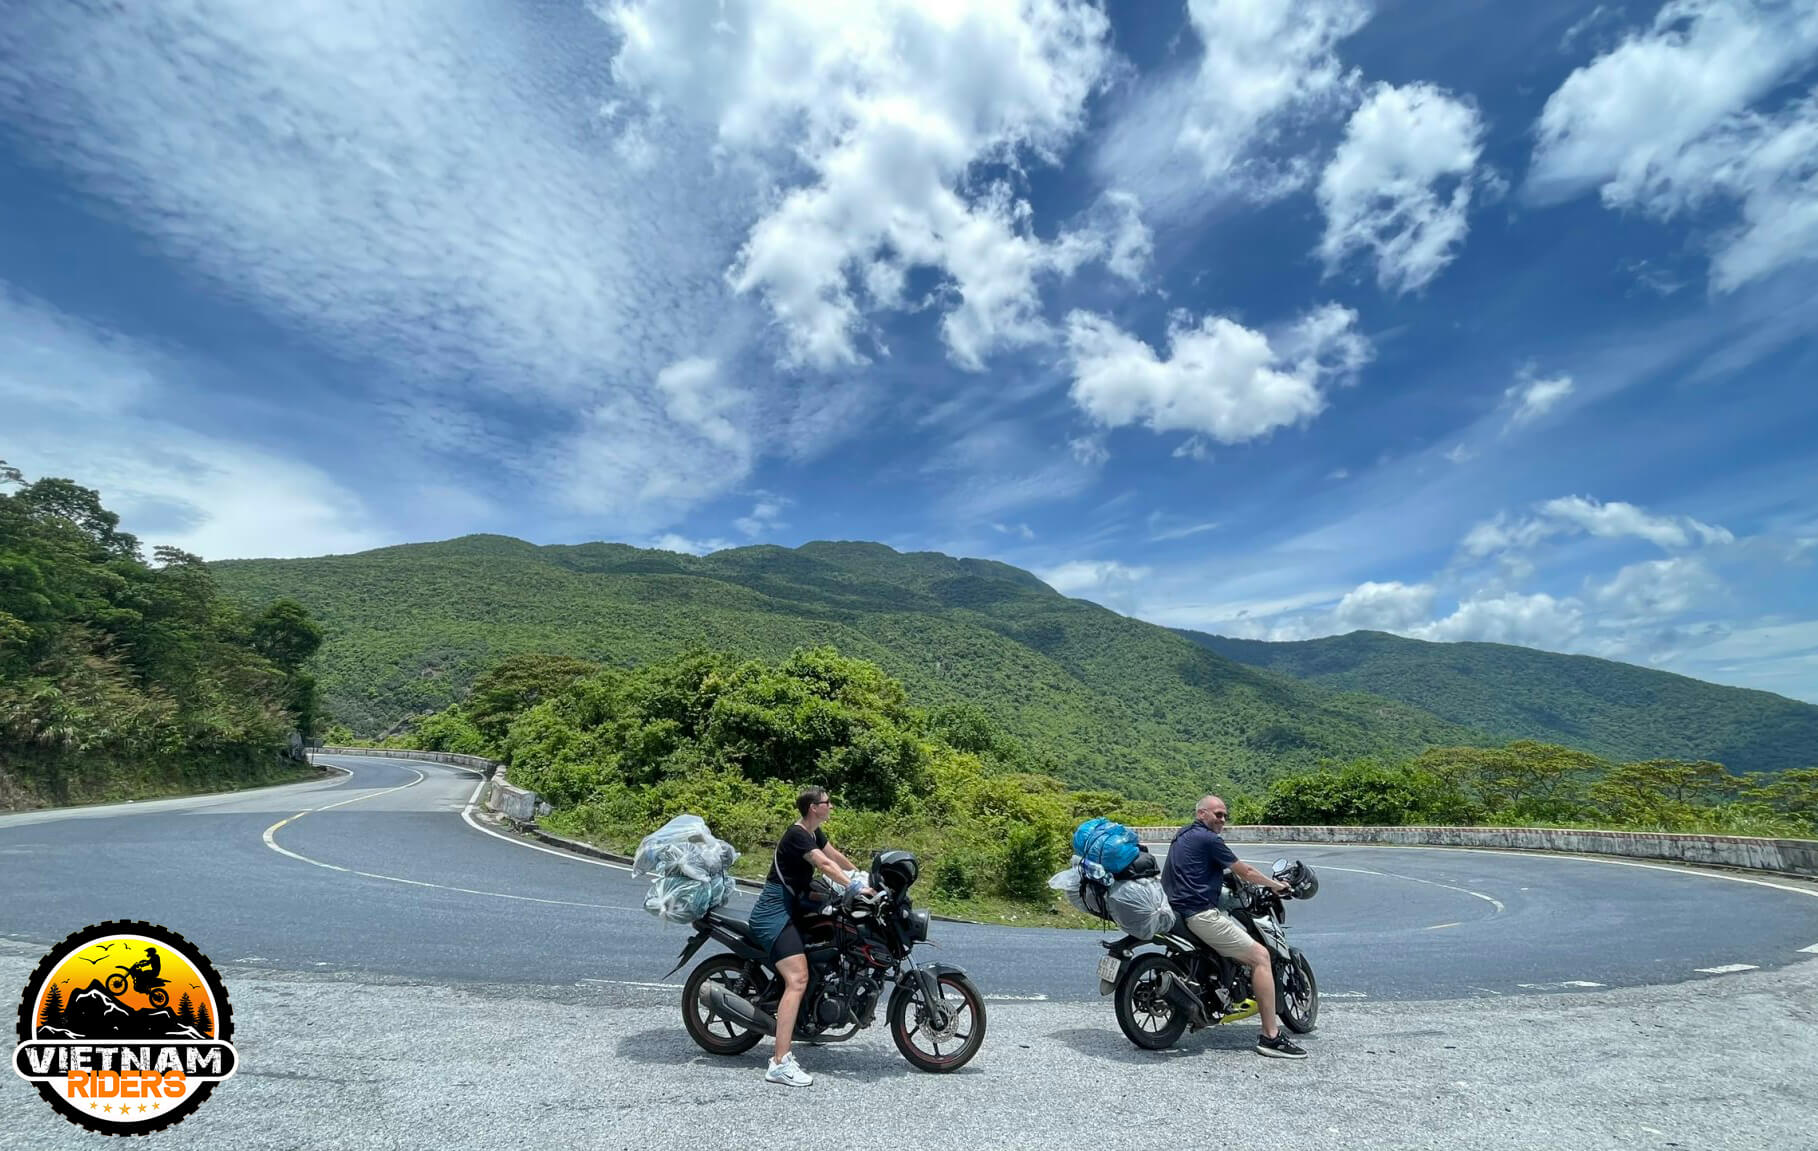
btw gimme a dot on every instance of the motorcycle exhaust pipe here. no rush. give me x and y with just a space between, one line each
1177 993
737 1008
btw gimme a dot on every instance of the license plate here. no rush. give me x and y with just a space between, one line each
1108 967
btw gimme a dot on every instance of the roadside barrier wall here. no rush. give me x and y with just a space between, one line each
515 803
1787 856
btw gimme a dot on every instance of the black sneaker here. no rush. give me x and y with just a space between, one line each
1279 1047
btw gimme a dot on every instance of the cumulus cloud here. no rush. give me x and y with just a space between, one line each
1266 68
874 118
1384 192
1534 397
1668 122
1665 587
1082 576
1613 520
765 516
1219 378
1391 606
1537 620
672 542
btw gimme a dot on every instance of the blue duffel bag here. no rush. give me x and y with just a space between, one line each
1107 843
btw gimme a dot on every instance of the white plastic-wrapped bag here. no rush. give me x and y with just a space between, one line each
679 899
683 846
1067 882
1140 907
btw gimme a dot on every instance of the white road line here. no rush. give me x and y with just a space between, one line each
1343 995
1490 899
1017 998
1676 868
1727 968
1581 983
272 842
1812 950
636 983
1437 926
1556 986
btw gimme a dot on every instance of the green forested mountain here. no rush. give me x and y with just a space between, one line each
1098 699
1614 710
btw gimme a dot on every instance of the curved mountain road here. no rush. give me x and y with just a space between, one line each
401 978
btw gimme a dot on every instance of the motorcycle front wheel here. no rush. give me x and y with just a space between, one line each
1297 994
1145 1015
945 1049
716 1034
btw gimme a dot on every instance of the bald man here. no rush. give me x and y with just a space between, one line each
1195 872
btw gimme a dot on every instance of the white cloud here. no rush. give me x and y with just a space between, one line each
874 118
1114 234
1391 606
1459 454
1534 398
1079 576
1657 588
1020 531
415 189
1613 520
765 516
1220 378
1664 123
671 542
1382 191
1537 620
1089 451
88 404
1178 533
1266 68
1193 448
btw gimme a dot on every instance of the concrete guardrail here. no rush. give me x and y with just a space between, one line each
1787 856
516 803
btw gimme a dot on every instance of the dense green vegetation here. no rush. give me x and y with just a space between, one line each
1095 698
1613 710
618 751
1532 784
121 679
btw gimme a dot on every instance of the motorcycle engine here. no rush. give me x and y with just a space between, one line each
850 996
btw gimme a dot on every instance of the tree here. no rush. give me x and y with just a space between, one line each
516 684
205 1023
51 1013
186 1011
286 635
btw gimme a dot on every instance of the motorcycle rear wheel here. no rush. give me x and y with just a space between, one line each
1145 1017
1297 994
716 1034
965 1031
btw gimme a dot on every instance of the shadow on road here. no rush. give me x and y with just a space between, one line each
870 1058
1109 1044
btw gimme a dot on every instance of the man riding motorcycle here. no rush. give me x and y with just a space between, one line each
1193 876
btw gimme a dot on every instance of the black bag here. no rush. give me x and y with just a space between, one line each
1144 866
1095 896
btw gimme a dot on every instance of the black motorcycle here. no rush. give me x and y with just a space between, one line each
143 982
854 945
1187 985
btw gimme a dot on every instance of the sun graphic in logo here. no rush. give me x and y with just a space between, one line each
124 1028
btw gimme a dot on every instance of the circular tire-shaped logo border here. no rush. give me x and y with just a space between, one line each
47 967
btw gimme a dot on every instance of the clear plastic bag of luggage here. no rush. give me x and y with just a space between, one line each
1068 883
679 899
1140 907
683 846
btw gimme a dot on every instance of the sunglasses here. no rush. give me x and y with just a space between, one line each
1217 814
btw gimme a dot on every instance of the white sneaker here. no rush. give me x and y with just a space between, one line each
787 1073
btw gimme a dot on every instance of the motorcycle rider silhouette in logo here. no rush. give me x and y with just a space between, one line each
145 978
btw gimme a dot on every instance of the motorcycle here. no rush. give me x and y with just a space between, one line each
854 946
149 986
1187 985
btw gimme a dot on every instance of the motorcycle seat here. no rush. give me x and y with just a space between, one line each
734 924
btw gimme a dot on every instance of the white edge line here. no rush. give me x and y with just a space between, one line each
1812 950
1675 868
1729 968
467 817
1017 998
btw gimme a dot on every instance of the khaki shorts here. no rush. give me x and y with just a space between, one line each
1221 933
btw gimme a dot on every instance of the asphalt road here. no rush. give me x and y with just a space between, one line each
400 979
378 873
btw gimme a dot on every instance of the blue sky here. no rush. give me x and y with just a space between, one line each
1274 318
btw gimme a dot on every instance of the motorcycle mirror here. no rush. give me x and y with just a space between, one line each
1281 867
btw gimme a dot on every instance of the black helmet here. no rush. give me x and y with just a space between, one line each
1303 883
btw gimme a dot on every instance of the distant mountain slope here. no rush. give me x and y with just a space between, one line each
1104 699
1615 710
